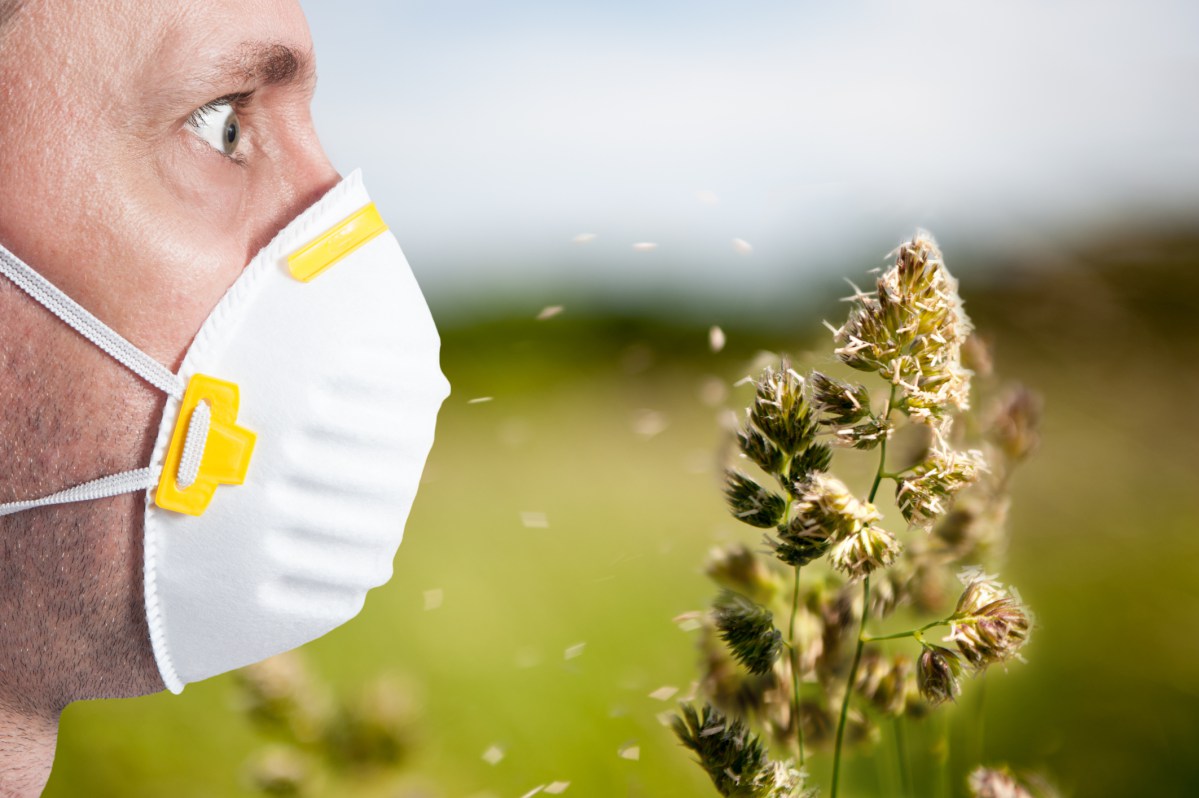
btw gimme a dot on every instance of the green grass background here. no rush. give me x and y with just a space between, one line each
1105 548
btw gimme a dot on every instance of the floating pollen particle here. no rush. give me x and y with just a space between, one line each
664 693
716 338
549 312
630 752
574 651
713 391
648 423
742 246
556 787
534 520
433 598
645 246
479 400
689 621
493 755
584 238
527 658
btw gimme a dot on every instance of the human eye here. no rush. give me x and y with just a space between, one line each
217 124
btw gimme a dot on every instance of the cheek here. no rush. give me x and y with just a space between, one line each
206 186
194 242
187 269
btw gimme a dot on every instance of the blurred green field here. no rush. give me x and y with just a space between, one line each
606 426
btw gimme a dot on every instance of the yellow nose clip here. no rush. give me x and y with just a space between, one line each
226 448
314 258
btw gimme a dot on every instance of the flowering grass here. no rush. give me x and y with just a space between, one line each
1103 538
912 334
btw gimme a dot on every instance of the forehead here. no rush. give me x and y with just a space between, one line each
215 25
119 41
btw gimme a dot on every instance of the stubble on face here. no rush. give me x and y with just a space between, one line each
146 226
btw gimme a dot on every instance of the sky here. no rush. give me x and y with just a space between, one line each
750 142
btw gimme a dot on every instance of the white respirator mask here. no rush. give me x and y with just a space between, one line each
291 445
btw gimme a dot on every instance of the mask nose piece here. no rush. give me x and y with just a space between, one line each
314 258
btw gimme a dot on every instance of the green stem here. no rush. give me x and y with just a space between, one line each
943 758
882 456
797 714
980 711
853 675
878 476
916 633
901 751
857 654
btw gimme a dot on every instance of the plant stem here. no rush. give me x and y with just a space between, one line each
916 633
901 751
980 711
853 675
797 714
943 758
882 456
857 654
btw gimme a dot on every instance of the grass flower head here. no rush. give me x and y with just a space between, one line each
734 758
927 492
938 671
993 783
989 624
748 629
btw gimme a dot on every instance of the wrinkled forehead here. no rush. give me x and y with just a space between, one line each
263 41
141 44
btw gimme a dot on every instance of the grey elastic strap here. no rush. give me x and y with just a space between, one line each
54 300
50 297
113 485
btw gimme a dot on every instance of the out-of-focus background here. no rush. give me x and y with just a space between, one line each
758 153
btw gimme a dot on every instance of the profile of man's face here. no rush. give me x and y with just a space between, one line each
148 148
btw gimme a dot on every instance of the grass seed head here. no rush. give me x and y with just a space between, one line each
814 459
735 759
760 450
926 493
995 783
885 682
938 671
737 568
751 503
839 403
911 331
1013 423
748 630
863 552
825 513
990 624
781 410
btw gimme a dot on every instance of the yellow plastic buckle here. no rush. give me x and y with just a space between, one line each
226 452
314 258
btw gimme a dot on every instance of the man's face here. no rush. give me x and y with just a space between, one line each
120 187
128 209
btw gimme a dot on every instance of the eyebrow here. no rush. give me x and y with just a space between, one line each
274 64
243 68
270 65
248 66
